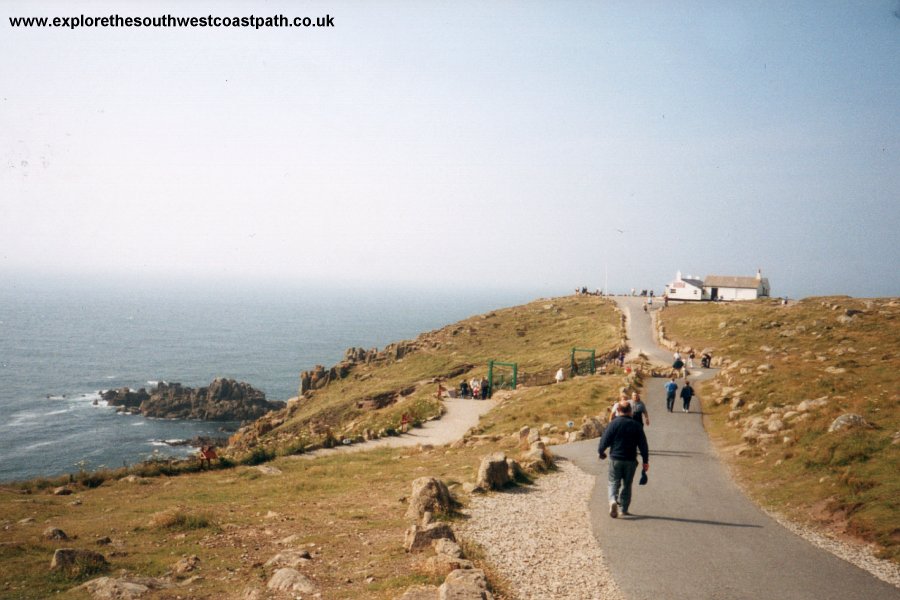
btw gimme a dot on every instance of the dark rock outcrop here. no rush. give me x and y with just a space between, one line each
222 400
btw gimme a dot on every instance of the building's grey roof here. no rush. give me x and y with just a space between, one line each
693 282
729 281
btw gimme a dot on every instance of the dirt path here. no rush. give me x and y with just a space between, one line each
460 416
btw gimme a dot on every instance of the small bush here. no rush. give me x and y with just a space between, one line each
178 519
258 456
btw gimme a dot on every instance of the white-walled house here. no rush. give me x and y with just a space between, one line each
685 288
728 287
718 287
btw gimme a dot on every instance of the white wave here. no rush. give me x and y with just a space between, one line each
58 397
110 376
137 423
38 445
57 412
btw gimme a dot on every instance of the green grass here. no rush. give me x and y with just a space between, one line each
811 353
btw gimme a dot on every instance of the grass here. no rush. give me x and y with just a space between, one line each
837 348
347 510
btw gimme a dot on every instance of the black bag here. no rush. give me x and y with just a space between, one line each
643 480
677 364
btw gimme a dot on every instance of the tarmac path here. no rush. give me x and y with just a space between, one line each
693 534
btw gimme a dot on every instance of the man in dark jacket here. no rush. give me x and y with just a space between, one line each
624 437
687 392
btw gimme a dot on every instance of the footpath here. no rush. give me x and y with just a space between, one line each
693 534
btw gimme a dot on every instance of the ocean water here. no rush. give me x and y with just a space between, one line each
60 346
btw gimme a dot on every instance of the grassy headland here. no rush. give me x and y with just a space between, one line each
346 510
790 372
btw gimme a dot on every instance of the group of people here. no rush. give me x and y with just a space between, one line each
477 389
624 437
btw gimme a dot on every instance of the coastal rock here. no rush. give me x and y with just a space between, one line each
222 400
125 397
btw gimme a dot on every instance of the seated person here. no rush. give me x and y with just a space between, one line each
207 455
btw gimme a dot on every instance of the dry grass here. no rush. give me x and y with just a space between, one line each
347 510
538 336
847 481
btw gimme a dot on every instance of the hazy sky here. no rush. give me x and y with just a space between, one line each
455 143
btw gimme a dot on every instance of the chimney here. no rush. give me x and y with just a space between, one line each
759 274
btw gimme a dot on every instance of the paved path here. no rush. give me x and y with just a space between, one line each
693 534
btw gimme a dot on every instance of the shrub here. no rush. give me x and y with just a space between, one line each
179 519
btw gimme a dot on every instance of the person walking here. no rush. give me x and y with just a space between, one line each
639 410
624 438
560 376
691 356
687 392
671 388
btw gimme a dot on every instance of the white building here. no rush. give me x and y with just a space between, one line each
685 288
727 287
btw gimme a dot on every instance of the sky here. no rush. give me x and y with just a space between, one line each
529 145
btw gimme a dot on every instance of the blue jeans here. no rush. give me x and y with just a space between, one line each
670 401
621 474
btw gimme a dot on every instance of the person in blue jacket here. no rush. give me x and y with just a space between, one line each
671 388
624 437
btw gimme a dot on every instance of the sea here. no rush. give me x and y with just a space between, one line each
61 345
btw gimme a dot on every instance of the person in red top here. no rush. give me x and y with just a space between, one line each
207 455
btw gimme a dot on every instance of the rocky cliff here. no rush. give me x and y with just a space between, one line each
222 400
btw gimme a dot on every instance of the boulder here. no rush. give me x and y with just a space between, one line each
591 427
420 592
493 473
186 565
447 547
419 538
523 436
52 533
429 495
514 471
775 425
465 584
289 558
107 588
291 581
848 421
442 565
538 459
74 559
61 491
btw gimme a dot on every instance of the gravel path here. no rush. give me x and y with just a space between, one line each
539 538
